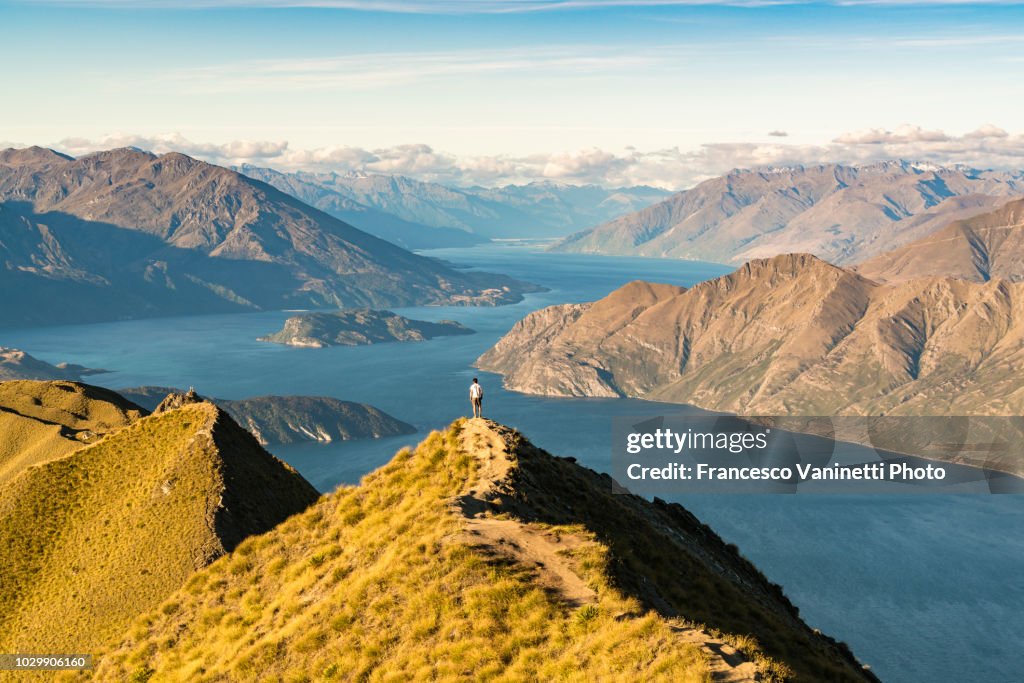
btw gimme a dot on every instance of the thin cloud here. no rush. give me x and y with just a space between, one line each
379 70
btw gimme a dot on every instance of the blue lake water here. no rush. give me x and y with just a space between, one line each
923 588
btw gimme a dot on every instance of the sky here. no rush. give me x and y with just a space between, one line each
491 92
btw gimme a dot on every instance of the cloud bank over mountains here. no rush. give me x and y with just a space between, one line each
988 146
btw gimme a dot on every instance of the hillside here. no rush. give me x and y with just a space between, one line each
43 421
291 419
17 364
791 335
356 327
979 249
539 209
506 564
125 233
91 538
842 214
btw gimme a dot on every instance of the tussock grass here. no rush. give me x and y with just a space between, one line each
377 583
43 421
90 540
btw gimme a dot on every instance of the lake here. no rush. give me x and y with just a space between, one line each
923 588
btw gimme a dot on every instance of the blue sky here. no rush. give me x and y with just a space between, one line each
473 91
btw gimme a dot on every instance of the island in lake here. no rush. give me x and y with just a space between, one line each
359 326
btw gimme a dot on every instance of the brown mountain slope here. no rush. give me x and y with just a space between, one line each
979 249
788 335
478 556
128 233
91 538
839 213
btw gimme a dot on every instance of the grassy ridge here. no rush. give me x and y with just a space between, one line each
42 421
90 540
378 582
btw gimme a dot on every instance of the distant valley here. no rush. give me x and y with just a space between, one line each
843 214
126 234
428 212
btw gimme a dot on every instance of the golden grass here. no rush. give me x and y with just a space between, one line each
43 421
91 540
376 583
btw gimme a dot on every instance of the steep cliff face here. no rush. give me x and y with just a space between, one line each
788 335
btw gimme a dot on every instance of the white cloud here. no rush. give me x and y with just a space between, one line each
986 147
879 136
175 142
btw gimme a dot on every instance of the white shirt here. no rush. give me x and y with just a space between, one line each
476 391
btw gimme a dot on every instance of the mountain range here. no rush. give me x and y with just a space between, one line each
790 335
979 249
539 209
126 233
843 214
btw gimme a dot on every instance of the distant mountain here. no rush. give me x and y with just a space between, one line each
980 249
791 335
540 209
356 327
92 536
125 233
475 556
292 419
16 364
337 203
843 214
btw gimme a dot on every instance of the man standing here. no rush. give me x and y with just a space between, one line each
476 397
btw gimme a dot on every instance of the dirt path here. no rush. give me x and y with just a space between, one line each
529 545
545 551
